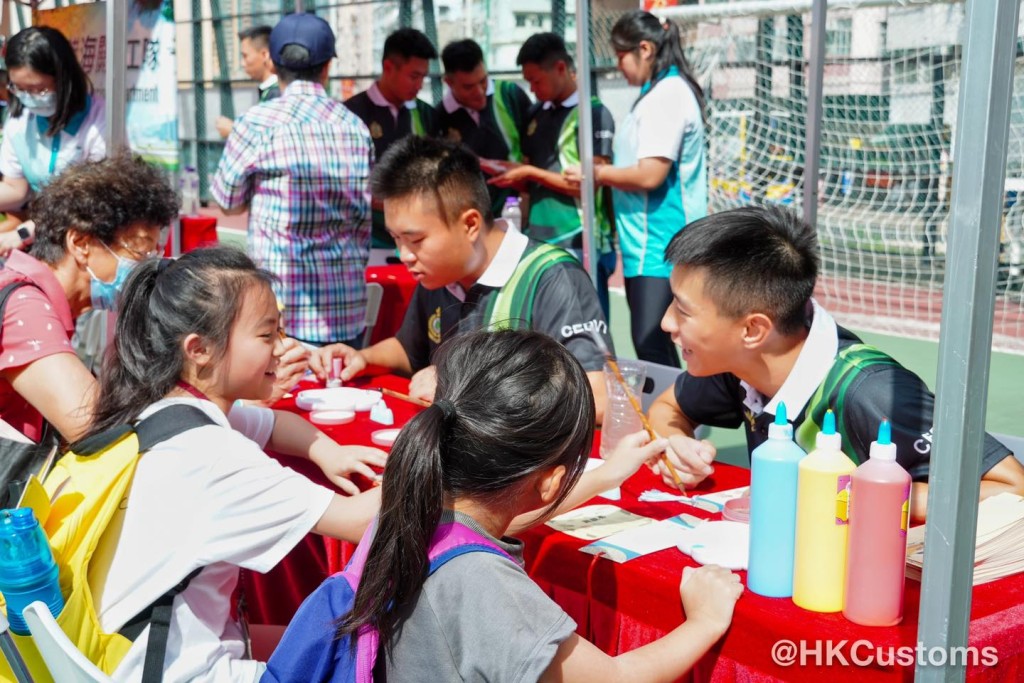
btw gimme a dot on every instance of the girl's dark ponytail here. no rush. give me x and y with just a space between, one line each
508 404
636 26
411 503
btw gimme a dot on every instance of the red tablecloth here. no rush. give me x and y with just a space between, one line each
398 288
194 232
623 606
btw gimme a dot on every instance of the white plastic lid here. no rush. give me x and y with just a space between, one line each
828 442
776 431
885 452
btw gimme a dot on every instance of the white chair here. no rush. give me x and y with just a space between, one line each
66 663
1014 443
660 378
374 295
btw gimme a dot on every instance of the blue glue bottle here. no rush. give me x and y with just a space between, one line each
774 473
27 569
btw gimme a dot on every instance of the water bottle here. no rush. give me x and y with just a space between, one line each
774 472
877 555
27 569
190 191
822 513
512 212
620 417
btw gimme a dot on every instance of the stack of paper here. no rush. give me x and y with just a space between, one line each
999 549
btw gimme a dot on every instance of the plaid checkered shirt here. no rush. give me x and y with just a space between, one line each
302 164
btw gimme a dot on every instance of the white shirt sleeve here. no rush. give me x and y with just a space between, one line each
668 113
10 167
254 422
94 142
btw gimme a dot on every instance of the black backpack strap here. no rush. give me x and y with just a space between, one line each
157 428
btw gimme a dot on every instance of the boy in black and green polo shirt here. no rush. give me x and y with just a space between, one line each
390 107
484 114
472 273
550 143
752 336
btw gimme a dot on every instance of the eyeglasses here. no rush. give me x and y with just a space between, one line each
38 92
141 255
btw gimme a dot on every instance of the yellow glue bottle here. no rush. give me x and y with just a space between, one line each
822 507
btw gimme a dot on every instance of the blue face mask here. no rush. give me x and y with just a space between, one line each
44 105
104 294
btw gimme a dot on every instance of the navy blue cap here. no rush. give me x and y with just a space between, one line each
306 30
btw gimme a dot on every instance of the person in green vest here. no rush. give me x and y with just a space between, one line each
550 144
473 272
390 107
482 113
254 45
752 336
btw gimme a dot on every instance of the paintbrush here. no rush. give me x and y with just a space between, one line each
609 358
405 397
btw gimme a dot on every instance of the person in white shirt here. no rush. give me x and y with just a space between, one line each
203 330
254 45
55 119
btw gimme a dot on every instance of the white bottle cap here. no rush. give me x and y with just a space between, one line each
777 431
828 442
886 452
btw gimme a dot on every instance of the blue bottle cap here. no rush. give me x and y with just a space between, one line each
830 423
780 414
884 433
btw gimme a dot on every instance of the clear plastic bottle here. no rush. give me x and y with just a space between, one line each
774 473
512 212
189 191
620 418
877 555
819 562
27 569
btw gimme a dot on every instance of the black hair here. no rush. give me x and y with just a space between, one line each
163 302
509 404
636 26
461 56
100 198
46 51
755 259
544 50
445 171
257 35
294 55
406 43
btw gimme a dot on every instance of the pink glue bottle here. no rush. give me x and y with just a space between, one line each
877 553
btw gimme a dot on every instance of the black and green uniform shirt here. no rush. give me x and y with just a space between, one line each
269 89
551 142
528 284
416 117
493 133
834 370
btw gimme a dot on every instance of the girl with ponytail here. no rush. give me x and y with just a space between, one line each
507 435
202 331
659 179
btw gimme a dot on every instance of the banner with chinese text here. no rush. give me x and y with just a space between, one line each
152 81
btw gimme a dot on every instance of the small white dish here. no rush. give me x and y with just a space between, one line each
384 437
723 543
331 417
338 398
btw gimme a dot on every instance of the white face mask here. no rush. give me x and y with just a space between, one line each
44 105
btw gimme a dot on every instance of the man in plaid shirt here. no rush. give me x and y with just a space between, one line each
301 164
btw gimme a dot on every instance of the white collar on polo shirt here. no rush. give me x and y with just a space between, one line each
451 105
504 263
270 82
569 102
811 367
377 97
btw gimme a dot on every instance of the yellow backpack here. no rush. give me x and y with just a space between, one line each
75 505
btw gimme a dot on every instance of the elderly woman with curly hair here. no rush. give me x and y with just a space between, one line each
94 222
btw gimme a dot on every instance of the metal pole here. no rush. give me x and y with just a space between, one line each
227 104
558 17
586 136
116 93
430 29
815 90
968 297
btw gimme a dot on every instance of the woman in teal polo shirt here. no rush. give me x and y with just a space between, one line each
54 119
659 179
